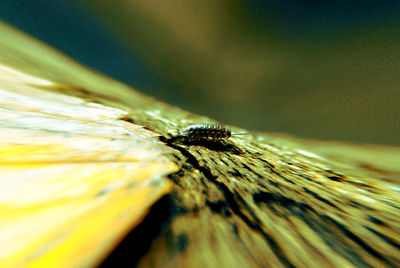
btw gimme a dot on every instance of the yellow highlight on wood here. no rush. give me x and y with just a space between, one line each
74 178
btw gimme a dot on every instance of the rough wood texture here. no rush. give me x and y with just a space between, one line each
262 200
274 202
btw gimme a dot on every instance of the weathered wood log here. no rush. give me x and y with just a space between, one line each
257 200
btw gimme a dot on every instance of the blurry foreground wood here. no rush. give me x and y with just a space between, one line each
84 160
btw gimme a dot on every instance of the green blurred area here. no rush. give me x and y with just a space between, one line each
273 66
316 69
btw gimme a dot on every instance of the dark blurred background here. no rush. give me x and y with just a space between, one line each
316 69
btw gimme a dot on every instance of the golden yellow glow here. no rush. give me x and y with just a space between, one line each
74 178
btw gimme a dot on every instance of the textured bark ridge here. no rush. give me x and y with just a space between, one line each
272 201
257 200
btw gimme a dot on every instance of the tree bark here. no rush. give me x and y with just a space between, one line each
272 201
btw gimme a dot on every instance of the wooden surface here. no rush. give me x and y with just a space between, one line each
257 200
275 202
